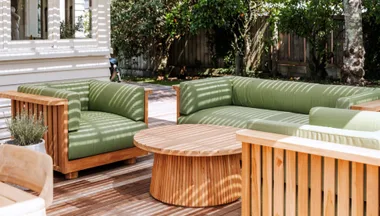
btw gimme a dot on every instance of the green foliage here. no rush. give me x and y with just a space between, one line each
372 11
25 129
236 16
178 19
143 27
67 30
87 24
223 14
371 32
313 20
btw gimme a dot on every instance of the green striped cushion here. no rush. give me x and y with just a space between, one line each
120 99
80 86
74 105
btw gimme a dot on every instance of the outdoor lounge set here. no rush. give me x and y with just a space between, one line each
303 149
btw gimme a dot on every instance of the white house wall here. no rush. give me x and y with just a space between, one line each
34 61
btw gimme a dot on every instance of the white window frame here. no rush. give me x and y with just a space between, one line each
53 46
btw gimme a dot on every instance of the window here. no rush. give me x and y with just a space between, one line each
29 19
75 19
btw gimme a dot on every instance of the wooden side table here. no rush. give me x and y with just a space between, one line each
369 106
194 165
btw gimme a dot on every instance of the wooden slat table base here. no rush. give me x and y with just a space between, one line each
196 181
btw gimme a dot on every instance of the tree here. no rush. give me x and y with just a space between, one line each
313 20
353 57
239 17
371 39
140 27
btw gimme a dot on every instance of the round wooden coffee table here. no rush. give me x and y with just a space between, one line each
194 165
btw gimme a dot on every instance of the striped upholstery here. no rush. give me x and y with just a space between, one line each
102 132
80 86
297 97
74 105
237 116
120 99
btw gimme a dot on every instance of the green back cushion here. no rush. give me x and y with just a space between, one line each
345 119
237 116
206 93
79 86
363 139
289 96
74 105
120 99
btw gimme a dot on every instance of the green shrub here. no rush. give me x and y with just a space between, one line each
25 129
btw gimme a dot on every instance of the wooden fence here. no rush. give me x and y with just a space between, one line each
191 51
292 53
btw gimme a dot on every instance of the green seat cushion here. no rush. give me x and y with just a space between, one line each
79 86
363 139
237 116
206 93
73 98
120 99
102 132
345 119
298 97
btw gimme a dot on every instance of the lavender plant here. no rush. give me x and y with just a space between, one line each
26 129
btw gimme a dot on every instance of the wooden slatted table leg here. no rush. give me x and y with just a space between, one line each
196 181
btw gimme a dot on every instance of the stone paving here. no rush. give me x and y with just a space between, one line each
162 104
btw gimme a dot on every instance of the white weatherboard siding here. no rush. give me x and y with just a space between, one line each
34 61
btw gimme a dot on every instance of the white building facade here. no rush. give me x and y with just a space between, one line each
51 40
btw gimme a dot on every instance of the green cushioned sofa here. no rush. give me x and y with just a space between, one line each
232 101
90 122
277 113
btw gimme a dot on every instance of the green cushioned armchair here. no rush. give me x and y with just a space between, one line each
90 123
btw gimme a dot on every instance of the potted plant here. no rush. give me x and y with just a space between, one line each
27 131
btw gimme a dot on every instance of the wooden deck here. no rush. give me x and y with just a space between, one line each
119 189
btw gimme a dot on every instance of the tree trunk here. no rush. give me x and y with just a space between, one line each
353 57
254 44
238 64
274 56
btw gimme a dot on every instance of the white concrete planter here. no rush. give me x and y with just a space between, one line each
39 147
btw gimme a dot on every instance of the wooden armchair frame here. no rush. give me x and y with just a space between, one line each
55 113
266 156
26 168
178 96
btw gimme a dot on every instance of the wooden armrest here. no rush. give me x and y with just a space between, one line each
148 91
314 147
27 168
368 106
31 98
176 87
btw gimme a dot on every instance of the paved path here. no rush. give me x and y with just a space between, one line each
162 104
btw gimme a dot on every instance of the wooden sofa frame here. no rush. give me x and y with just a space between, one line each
178 91
55 114
266 156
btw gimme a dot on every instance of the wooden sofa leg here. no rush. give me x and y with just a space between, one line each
72 175
130 161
